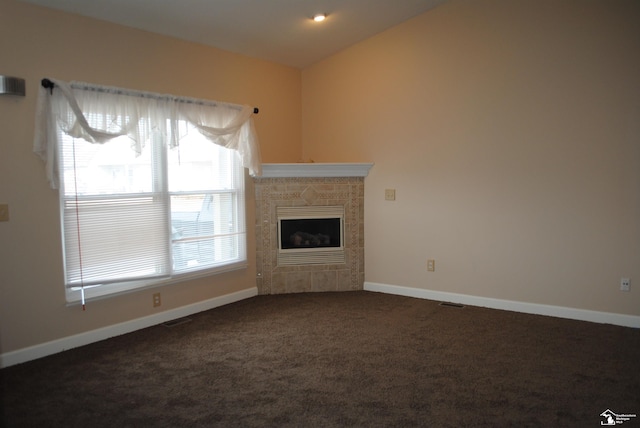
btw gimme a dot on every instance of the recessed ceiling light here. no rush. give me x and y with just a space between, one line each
319 17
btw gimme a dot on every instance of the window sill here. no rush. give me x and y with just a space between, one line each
74 296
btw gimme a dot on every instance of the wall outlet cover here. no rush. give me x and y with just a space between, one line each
625 284
390 194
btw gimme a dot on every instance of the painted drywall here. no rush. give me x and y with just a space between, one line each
510 131
37 42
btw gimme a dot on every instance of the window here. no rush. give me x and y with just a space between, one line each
169 209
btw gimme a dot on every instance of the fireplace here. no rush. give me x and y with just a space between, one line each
310 235
326 203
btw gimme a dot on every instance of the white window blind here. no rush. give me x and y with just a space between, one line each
163 202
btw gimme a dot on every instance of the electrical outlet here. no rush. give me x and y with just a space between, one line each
625 284
431 265
389 194
156 300
4 212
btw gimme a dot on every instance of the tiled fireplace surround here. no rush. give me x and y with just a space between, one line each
312 184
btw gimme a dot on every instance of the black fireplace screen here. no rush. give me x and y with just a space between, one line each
309 233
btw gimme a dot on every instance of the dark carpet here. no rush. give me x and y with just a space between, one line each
351 359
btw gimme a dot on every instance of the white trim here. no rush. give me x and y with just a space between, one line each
292 170
94 293
81 339
509 305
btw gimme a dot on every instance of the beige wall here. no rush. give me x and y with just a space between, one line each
511 133
36 43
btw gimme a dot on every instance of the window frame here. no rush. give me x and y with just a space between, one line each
160 172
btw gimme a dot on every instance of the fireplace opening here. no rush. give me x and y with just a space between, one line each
310 233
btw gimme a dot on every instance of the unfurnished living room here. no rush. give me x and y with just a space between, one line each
319 213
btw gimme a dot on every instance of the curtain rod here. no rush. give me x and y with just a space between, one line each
48 84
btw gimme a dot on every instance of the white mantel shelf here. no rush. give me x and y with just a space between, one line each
291 170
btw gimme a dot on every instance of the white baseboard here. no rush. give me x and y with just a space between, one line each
509 305
70 342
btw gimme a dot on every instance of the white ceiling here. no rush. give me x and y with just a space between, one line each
275 30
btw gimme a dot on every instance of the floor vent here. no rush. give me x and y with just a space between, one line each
176 322
453 305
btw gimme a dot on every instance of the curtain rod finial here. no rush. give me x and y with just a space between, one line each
48 84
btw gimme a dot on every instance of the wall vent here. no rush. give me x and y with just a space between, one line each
12 86
176 322
451 305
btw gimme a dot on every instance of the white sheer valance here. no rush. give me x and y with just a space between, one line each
136 115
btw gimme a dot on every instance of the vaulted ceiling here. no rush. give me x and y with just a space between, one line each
281 31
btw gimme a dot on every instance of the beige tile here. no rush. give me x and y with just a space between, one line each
298 282
324 281
343 278
279 283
